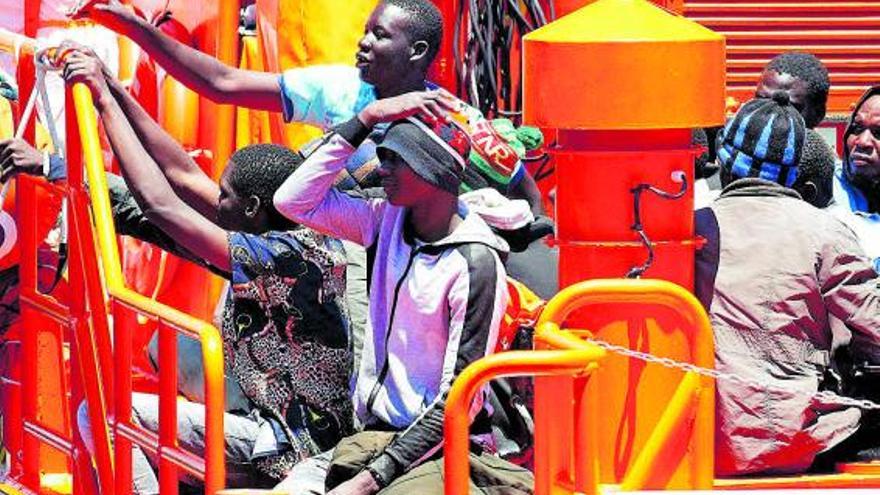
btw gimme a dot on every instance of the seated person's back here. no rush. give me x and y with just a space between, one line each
776 275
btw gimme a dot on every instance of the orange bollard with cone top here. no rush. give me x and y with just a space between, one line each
624 82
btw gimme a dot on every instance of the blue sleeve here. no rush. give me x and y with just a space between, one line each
323 95
57 168
252 257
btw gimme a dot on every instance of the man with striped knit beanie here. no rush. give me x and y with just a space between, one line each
776 274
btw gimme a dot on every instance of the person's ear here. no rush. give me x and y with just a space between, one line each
418 51
809 191
252 207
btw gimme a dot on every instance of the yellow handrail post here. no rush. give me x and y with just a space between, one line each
208 335
694 397
652 463
586 435
457 420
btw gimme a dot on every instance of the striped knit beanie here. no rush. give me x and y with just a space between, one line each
764 139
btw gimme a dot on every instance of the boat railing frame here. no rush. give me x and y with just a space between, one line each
566 450
100 365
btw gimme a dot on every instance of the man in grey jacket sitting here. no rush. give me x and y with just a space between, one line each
784 284
437 296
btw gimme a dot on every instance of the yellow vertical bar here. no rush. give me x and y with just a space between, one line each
586 449
652 467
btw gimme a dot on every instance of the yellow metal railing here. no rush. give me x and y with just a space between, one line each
175 321
567 394
695 395
472 379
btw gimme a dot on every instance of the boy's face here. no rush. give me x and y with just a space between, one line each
230 207
385 49
402 186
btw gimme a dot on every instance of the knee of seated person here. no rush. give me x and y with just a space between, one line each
84 427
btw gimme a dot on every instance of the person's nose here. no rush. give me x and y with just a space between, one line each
366 42
865 139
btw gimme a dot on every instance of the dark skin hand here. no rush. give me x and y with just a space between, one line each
432 212
362 484
148 185
187 179
19 157
431 105
198 71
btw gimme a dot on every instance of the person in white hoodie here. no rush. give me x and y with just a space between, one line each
437 297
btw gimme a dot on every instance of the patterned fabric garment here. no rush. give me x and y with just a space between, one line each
285 335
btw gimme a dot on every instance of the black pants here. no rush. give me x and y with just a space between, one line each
862 446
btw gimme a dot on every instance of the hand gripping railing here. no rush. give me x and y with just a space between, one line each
469 383
695 394
170 322
39 420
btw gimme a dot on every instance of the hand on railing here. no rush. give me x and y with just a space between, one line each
69 46
19 157
80 67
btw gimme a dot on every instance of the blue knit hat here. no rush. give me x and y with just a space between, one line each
764 139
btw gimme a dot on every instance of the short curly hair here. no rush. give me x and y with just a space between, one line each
810 70
426 23
259 170
816 166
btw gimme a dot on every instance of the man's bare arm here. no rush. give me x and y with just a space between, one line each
198 71
148 185
186 178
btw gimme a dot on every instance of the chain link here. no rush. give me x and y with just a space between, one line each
824 396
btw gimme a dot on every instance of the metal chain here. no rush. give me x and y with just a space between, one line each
824 396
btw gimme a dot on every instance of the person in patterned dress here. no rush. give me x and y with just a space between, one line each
285 325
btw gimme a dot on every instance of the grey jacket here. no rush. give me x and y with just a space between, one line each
435 308
784 283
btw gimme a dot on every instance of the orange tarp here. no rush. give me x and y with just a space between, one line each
308 32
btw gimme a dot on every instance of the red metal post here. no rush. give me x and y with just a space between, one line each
168 471
123 321
443 70
88 307
30 447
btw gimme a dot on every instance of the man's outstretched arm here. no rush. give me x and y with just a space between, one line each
187 179
198 71
148 185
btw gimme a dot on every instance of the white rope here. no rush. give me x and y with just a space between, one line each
49 119
824 396
42 66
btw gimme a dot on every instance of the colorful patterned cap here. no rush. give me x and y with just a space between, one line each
434 151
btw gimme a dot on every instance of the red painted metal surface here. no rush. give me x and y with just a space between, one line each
843 34
443 70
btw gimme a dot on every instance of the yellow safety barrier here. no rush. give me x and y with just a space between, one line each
566 443
457 420
7 489
207 334
694 396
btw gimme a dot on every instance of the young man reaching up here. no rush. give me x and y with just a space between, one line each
438 293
